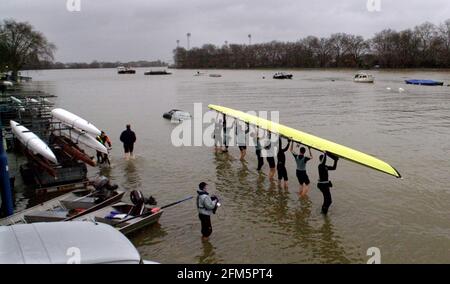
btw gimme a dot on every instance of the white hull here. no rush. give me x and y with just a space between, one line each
7 83
181 115
32 142
83 138
364 80
16 100
75 121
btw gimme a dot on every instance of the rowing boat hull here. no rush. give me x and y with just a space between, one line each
312 141
84 138
32 142
75 121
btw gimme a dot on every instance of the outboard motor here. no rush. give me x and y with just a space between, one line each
104 189
138 198
100 182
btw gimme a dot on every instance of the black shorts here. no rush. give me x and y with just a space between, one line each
128 148
242 148
302 177
282 172
271 161
206 225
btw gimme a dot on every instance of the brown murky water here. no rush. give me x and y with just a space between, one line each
408 219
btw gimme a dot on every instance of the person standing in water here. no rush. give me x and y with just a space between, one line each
105 141
225 134
269 153
324 184
218 135
258 149
281 163
241 138
128 138
206 206
302 176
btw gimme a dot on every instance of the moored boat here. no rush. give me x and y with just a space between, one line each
160 72
66 207
282 75
215 75
176 114
424 82
126 217
125 70
364 78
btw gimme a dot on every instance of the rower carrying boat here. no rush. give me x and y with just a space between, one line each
312 141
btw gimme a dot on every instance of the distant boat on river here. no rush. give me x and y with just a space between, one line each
125 70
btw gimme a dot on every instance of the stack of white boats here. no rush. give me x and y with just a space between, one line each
80 130
77 129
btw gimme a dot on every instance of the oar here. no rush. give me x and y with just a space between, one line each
153 210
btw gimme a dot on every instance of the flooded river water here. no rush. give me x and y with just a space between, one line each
407 219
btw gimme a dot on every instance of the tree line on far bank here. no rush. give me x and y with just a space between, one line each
95 64
24 48
424 46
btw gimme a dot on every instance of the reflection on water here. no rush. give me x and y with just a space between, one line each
131 172
208 255
317 241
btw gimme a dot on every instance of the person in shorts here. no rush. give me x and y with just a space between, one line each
301 159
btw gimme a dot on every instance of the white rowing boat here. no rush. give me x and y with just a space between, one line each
7 83
16 100
84 138
74 121
32 142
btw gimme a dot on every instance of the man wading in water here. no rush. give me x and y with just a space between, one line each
128 138
206 205
324 184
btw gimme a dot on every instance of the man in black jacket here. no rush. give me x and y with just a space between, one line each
128 138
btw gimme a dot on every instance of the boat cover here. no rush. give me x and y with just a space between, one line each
55 243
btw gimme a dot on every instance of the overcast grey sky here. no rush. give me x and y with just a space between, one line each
110 30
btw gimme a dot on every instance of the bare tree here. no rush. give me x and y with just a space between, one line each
20 44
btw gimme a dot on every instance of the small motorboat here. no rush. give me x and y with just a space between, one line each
66 207
66 243
127 217
199 73
282 75
176 114
215 75
125 70
424 82
363 78
163 72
